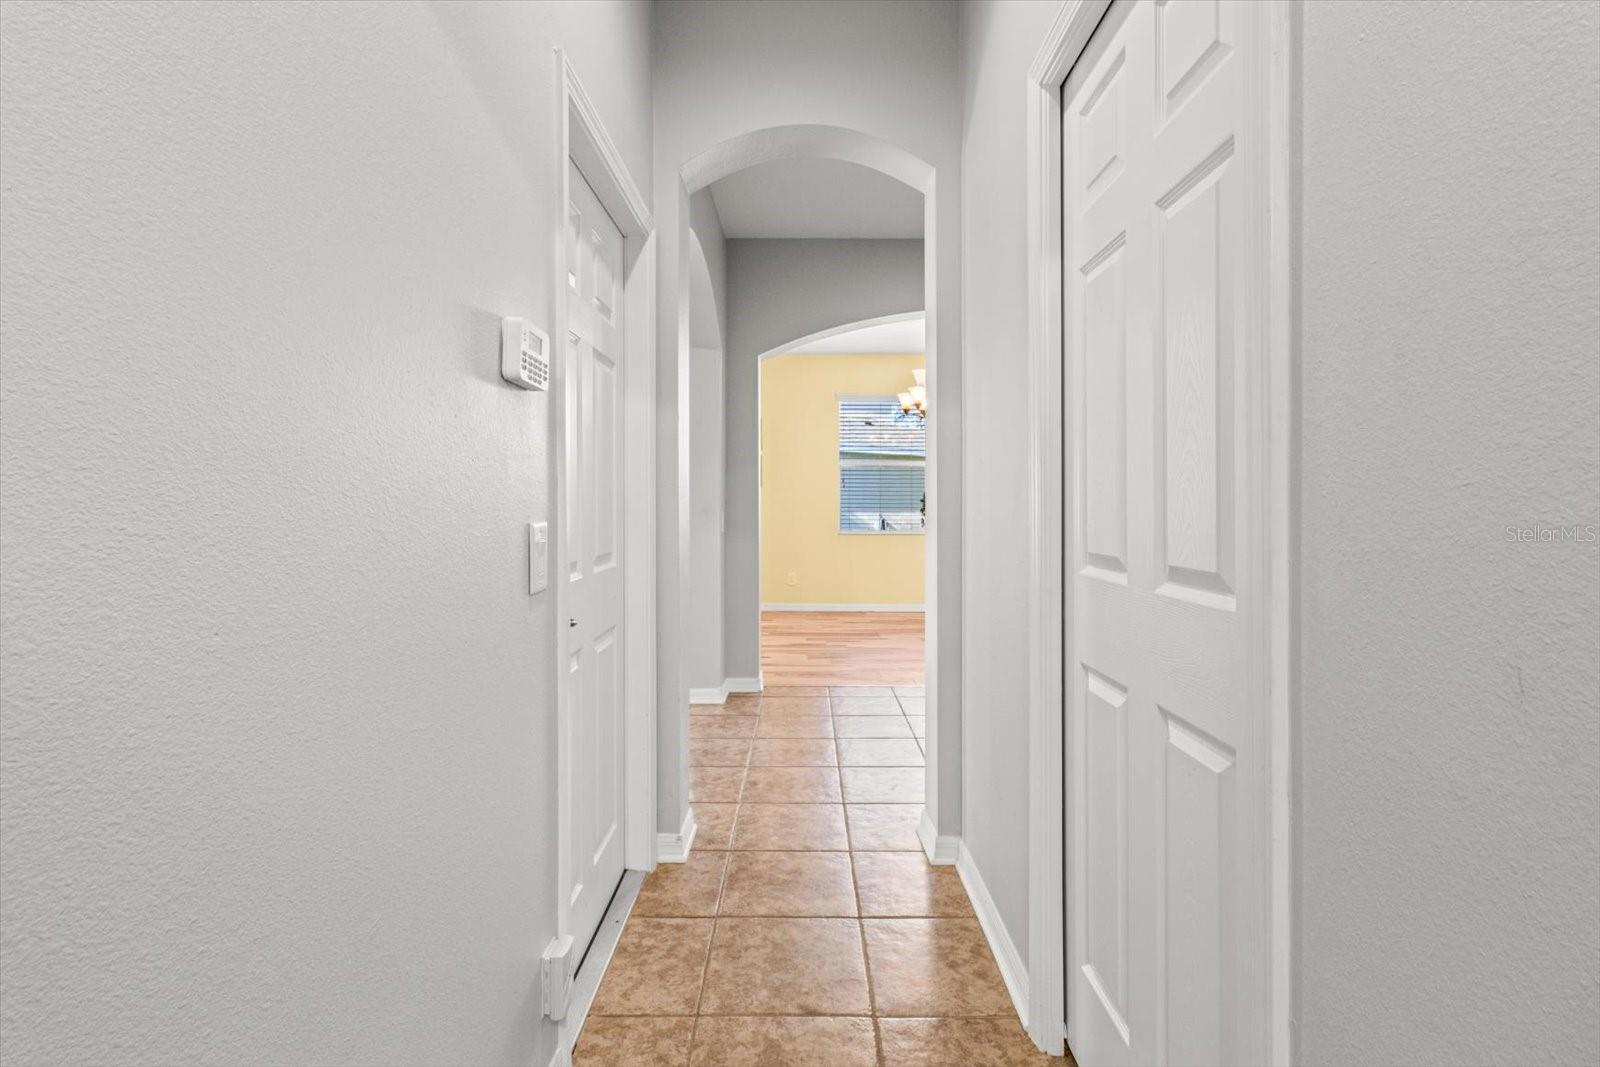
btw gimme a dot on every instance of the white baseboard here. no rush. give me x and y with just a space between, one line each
1012 968
718 694
941 851
845 607
675 848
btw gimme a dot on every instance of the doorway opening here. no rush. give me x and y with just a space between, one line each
776 187
843 508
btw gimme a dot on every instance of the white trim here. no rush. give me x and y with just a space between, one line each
675 848
598 157
586 983
581 137
941 851
788 348
718 694
1049 594
591 147
639 546
902 608
1048 606
1281 81
1000 943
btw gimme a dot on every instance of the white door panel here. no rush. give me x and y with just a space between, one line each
591 387
1167 943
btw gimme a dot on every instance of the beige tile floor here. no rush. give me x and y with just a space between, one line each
807 927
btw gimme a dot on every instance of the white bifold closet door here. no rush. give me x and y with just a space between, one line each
1168 817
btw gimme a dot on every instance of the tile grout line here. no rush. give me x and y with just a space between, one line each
722 884
716 909
861 928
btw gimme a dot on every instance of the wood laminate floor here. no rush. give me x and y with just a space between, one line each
841 648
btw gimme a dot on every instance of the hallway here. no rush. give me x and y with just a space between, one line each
807 927
799 532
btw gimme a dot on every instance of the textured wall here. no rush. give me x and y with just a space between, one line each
998 40
277 728
1449 745
704 640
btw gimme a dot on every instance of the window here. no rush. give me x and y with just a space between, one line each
882 455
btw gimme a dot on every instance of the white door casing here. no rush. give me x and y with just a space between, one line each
1167 661
591 563
581 139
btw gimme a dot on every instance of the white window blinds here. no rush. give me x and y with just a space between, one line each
882 455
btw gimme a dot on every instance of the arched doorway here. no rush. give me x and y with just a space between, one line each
940 824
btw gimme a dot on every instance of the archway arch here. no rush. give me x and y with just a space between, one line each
741 602
806 142
835 330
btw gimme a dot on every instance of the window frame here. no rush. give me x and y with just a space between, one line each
887 463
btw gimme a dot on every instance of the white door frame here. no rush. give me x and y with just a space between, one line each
1048 605
581 137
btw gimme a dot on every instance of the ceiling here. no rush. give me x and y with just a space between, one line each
909 335
816 198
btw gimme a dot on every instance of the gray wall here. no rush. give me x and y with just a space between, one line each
1449 753
998 40
706 481
707 325
779 291
275 705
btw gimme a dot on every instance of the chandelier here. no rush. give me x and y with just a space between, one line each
914 401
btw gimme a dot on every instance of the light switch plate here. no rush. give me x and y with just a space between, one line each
538 557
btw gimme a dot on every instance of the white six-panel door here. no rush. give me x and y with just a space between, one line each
1167 788
591 556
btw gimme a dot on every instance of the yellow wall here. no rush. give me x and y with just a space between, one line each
804 557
